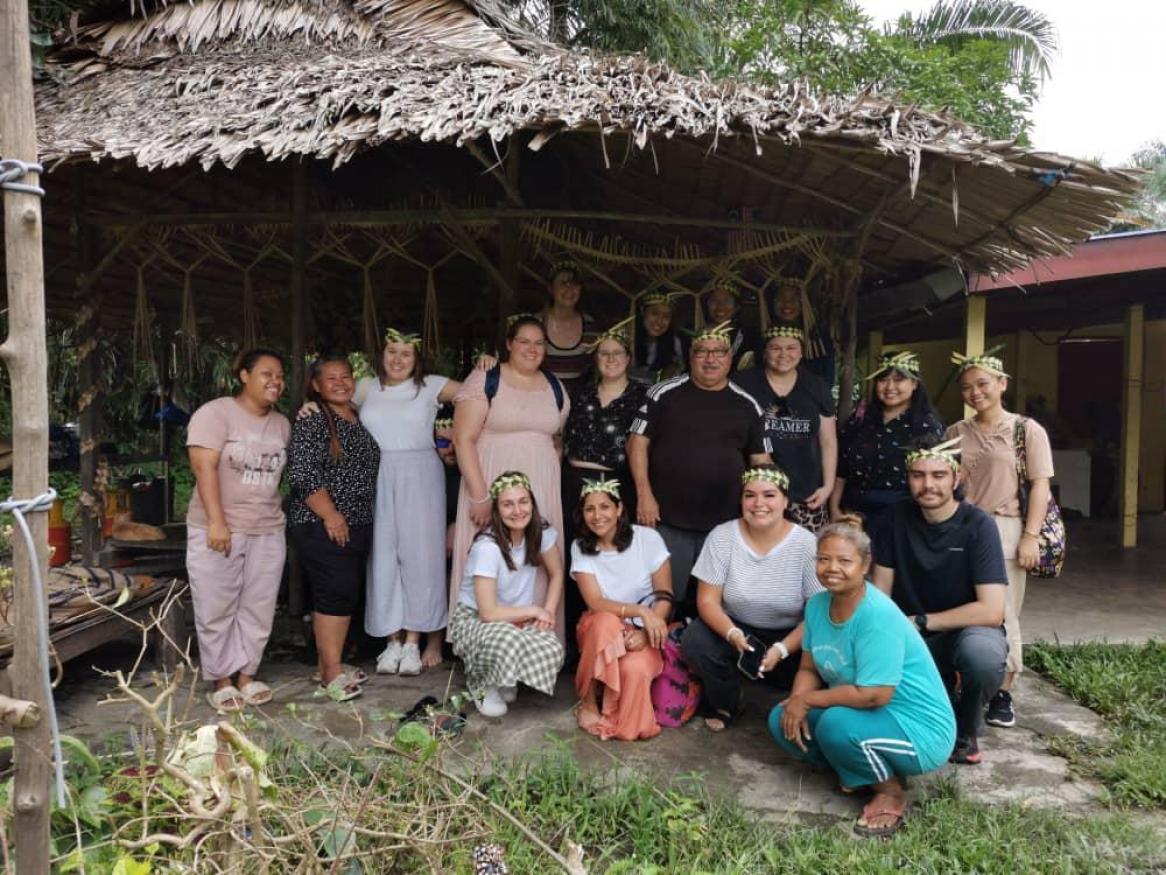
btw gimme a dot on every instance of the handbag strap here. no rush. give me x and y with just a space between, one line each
1021 466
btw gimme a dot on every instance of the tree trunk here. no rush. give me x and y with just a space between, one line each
25 355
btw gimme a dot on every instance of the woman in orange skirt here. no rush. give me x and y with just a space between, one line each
625 579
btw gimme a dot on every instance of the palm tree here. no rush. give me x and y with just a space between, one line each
1029 34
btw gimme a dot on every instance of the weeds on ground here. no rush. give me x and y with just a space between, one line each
1126 684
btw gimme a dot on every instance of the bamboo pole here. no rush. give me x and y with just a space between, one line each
975 332
299 296
1131 421
91 398
26 358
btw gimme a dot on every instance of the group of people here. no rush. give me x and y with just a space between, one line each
876 571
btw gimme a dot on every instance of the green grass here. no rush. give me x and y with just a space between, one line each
1125 684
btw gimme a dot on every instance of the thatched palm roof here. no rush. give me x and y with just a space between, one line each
213 81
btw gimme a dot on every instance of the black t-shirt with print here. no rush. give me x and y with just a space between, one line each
701 441
938 566
792 423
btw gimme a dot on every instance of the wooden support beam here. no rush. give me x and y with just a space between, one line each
975 331
874 349
25 355
1131 421
299 327
91 394
467 216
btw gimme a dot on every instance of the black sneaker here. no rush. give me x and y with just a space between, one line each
966 752
1000 710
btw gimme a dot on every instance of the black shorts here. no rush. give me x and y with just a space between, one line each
335 574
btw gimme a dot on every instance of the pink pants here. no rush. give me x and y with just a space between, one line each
234 599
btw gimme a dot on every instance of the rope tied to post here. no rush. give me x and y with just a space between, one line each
18 507
12 170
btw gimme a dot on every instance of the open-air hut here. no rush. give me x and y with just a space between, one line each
306 172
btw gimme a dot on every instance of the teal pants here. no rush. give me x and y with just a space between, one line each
863 746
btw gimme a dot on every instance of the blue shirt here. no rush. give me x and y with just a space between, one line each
879 647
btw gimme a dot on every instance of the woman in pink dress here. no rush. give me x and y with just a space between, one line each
516 429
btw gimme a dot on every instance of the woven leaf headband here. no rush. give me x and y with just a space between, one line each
905 362
610 487
506 481
986 361
945 452
617 332
565 266
441 424
717 332
785 331
392 335
776 476
653 298
514 317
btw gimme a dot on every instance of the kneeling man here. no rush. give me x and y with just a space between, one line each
940 560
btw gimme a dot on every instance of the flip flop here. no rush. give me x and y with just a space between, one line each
355 673
256 693
724 716
880 832
341 689
219 699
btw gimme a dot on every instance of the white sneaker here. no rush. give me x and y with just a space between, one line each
491 704
389 662
410 660
508 694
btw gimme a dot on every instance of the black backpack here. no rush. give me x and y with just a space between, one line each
494 378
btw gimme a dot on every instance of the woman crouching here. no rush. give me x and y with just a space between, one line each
867 700
502 627
620 569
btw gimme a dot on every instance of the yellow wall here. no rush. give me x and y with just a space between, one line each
1034 365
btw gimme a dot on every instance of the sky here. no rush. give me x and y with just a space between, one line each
1107 94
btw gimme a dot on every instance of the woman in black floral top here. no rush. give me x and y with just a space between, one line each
332 469
594 438
872 472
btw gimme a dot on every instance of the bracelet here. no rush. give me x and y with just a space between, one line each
1032 534
782 649
729 634
621 611
479 500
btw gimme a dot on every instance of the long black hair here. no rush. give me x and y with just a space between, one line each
917 414
665 345
589 543
532 535
310 394
248 358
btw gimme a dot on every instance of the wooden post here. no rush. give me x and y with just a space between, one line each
26 358
1131 421
847 379
975 331
299 306
91 396
874 349
508 248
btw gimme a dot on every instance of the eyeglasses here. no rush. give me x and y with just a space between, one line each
613 356
710 353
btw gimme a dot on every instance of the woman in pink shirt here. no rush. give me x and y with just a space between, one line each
235 528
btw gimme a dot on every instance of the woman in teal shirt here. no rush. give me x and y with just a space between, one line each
867 700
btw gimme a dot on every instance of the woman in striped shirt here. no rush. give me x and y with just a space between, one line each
755 575
570 334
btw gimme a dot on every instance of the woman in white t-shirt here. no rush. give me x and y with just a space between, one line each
625 578
755 575
406 585
503 624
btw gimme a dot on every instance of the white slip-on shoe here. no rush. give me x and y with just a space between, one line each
508 694
410 660
389 662
491 704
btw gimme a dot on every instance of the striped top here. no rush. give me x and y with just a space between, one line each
768 591
569 363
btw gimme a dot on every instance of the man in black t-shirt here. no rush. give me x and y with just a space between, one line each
940 559
687 448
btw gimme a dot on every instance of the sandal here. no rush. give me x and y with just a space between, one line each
256 693
226 698
355 673
726 719
863 829
341 688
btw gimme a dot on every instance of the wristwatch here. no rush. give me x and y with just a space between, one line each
921 622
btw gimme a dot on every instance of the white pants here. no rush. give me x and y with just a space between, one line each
1011 528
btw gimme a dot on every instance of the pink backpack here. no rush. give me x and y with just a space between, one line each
676 690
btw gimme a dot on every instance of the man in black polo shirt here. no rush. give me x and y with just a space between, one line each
940 559
687 448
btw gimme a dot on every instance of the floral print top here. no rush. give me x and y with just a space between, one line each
597 434
874 457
